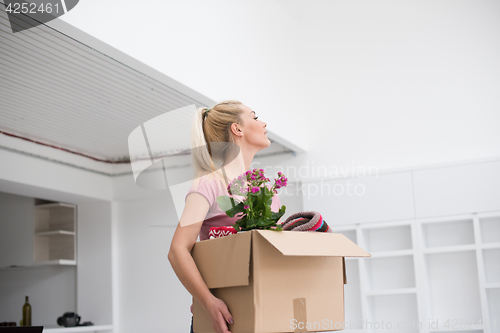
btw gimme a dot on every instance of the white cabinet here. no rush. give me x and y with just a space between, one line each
54 240
458 189
439 274
36 234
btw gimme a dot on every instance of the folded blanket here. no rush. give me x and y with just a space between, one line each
306 221
216 232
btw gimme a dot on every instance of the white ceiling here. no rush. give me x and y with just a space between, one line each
64 88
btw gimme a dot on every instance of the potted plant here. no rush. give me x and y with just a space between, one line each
256 201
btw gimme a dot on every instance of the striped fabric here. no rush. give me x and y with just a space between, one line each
306 221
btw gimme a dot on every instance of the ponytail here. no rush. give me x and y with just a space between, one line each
212 141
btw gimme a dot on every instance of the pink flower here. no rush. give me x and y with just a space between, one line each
255 189
246 207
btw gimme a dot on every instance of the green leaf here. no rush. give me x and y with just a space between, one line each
262 222
267 211
278 228
229 205
251 224
236 226
224 202
276 215
235 210
267 196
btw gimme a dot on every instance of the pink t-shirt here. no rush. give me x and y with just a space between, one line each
215 216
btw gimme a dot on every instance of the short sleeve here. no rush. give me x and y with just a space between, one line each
210 188
205 188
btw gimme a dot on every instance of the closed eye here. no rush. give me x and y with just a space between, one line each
256 118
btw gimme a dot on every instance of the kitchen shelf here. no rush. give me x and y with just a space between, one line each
491 259
95 328
449 249
473 328
390 273
445 234
423 270
454 286
490 246
398 291
492 285
53 205
63 262
38 264
385 239
386 254
394 308
490 230
55 234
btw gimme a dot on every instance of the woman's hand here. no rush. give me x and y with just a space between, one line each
219 315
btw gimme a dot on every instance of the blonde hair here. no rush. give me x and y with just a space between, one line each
212 141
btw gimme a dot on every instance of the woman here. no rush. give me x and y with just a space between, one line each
228 135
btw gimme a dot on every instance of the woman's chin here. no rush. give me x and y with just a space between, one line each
267 144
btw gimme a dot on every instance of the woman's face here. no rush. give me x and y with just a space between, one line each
253 129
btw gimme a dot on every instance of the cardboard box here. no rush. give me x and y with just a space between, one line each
276 281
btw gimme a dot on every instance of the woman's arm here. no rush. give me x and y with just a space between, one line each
182 262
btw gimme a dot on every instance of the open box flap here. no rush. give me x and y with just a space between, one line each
230 266
307 243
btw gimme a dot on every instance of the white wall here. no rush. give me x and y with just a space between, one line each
384 83
94 270
150 296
